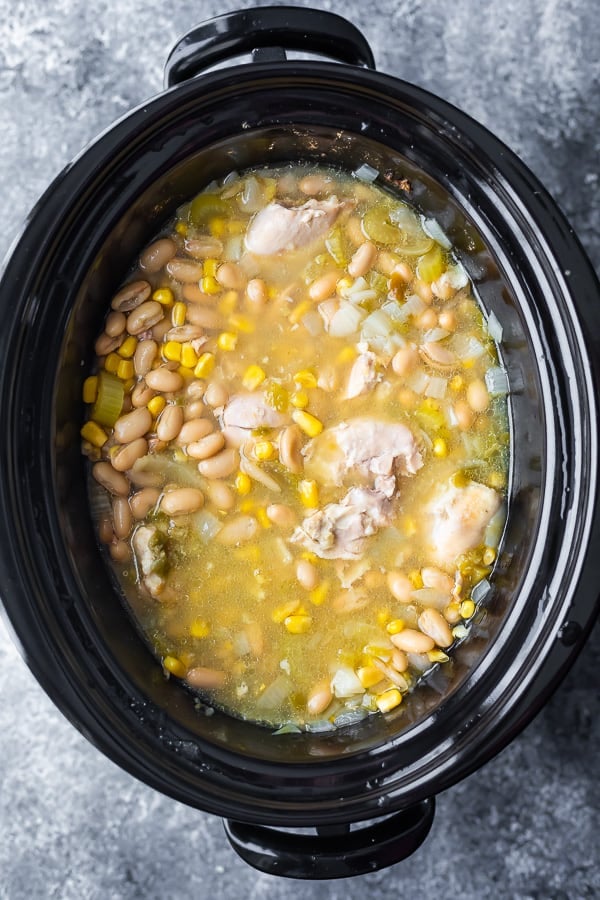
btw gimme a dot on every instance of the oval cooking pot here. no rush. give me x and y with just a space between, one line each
527 267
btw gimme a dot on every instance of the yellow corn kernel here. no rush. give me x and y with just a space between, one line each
346 355
156 405
467 608
164 296
263 519
369 676
318 595
210 285
468 363
250 553
309 493
343 285
209 267
383 653
388 700
242 483
309 424
280 613
310 556
299 399
127 348
408 526
217 227
457 383
236 226
437 656
205 365
186 373
416 580
247 506
90 389
440 448
395 626
264 450
178 313
172 351
228 303
199 628
227 340
298 624
253 377
182 229
272 292
497 481
305 378
125 369
94 434
242 323
488 556
174 666
111 363
298 311
128 385
383 617
189 357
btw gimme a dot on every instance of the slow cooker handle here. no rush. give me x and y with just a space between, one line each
335 851
270 28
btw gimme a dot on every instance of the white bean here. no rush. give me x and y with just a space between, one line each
362 260
163 379
169 423
243 528
412 641
143 501
114 482
206 446
181 501
221 465
133 425
126 455
307 574
433 624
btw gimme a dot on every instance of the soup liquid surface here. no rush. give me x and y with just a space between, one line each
299 442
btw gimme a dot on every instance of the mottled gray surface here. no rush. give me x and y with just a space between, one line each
526 826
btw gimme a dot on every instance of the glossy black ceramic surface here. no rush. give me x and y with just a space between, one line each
528 268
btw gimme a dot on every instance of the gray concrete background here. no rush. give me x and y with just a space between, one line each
72 825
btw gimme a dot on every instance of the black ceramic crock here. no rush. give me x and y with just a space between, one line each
59 600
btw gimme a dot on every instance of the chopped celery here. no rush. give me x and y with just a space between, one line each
431 265
109 400
205 207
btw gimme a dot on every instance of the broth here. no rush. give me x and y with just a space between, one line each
299 445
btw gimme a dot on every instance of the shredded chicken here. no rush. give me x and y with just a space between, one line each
338 531
251 411
277 228
363 375
150 553
460 516
365 447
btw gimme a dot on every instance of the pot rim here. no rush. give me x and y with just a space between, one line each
570 276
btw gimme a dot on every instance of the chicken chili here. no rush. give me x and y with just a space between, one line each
298 439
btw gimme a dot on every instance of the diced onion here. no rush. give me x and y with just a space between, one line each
366 173
393 309
375 325
346 320
350 717
359 297
434 230
436 387
456 276
481 591
413 306
466 347
252 198
431 597
321 725
496 381
255 472
493 532
494 328
346 683
312 322
289 728
274 695
234 247
206 524
435 334
418 382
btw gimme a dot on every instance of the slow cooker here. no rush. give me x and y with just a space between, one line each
365 792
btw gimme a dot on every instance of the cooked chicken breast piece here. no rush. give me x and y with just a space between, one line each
338 531
251 411
363 375
278 228
459 517
365 447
